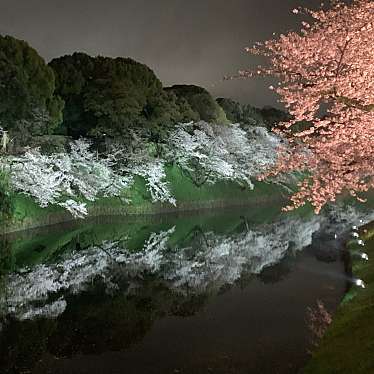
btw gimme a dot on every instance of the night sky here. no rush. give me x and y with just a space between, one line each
183 41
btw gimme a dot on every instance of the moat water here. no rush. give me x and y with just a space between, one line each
210 292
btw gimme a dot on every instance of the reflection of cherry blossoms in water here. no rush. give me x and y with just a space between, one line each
318 319
204 265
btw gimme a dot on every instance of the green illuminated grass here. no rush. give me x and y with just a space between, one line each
348 346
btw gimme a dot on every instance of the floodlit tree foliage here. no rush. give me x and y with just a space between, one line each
206 152
326 79
209 152
65 179
140 159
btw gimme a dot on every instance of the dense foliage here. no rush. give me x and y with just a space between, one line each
100 97
203 106
28 105
114 96
247 115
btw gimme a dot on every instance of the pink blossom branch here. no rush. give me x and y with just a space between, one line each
330 62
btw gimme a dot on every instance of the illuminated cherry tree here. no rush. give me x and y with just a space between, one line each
208 153
138 159
65 179
325 77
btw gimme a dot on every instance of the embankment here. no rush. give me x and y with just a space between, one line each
137 201
347 347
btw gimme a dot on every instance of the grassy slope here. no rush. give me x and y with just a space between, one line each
187 194
348 345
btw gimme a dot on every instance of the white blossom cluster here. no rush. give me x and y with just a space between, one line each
206 152
65 179
153 172
222 152
139 161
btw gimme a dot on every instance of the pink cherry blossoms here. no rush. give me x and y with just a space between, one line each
326 81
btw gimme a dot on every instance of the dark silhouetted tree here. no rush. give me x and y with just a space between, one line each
28 105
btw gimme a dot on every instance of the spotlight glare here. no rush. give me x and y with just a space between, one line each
360 283
364 256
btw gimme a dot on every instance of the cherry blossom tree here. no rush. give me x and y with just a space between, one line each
139 159
154 174
325 77
208 152
65 179
318 319
205 152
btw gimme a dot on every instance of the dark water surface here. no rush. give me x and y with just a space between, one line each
223 292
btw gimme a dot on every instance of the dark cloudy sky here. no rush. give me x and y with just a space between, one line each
183 41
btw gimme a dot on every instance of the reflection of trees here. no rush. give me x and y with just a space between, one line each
325 247
22 344
199 262
277 272
114 295
6 265
6 258
93 322
197 238
98 319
